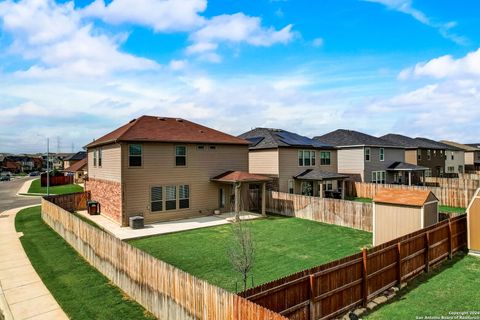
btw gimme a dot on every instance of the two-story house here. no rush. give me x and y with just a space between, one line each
475 155
454 157
74 158
367 158
422 152
165 169
296 164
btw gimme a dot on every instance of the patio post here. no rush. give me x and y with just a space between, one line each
343 189
237 187
409 178
264 193
321 195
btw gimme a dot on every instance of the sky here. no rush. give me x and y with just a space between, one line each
73 71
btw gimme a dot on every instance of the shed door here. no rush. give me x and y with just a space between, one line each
474 225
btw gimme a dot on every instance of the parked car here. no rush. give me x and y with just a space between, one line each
34 173
5 178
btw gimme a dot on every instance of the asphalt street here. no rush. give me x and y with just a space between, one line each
9 198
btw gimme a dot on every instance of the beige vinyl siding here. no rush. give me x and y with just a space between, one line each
351 161
393 221
458 160
263 161
430 212
111 167
411 156
288 166
469 158
158 169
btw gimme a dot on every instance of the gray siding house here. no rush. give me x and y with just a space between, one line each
364 157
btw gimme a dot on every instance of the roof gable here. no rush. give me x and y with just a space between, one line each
405 197
162 129
348 138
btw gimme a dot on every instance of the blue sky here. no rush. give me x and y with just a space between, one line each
76 70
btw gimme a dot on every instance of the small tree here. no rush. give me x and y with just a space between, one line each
242 250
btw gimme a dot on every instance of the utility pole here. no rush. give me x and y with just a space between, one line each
48 165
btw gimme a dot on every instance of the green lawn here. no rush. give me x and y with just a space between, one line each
447 209
283 246
81 291
366 200
68 188
453 287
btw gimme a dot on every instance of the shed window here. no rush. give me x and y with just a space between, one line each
325 158
367 154
306 158
171 197
135 155
156 196
180 156
382 154
183 196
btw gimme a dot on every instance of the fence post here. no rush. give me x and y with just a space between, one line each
450 239
365 278
427 252
312 296
399 271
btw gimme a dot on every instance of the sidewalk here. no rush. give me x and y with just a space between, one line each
22 293
25 187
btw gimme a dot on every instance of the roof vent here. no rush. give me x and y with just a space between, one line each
161 119
133 120
179 120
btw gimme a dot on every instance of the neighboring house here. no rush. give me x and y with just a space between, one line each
55 160
21 163
79 170
366 158
471 154
296 163
165 169
454 158
476 155
72 159
421 152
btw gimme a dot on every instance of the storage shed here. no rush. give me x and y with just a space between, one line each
473 224
397 212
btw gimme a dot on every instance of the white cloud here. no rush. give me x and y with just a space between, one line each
160 15
235 29
446 67
406 7
317 42
53 37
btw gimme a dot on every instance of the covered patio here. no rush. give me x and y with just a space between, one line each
322 184
239 179
407 173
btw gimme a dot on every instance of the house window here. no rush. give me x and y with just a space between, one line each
429 154
95 157
382 154
419 154
135 155
306 158
156 198
367 154
201 147
453 156
378 177
171 197
213 147
325 158
99 157
183 196
428 173
328 185
460 169
290 186
180 156
451 169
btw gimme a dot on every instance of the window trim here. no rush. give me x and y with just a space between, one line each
161 200
329 158
369 153
95 157
185 156
177 197
141 155
291 183
377 181
311 158
381 155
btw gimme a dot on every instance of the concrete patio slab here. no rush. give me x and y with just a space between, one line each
126 233
22 293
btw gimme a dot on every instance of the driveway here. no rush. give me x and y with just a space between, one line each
8 194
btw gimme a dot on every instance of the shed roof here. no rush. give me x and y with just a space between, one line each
268 138
405 197
162 129
239 176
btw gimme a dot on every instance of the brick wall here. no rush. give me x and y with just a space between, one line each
109 195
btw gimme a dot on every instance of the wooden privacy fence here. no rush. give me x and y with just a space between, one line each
55 180
165 291
351 214
461 183
334 288
453 197
474 175
70 202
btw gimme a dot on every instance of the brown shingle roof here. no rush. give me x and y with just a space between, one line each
77 166
240 176
403 197
161 129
